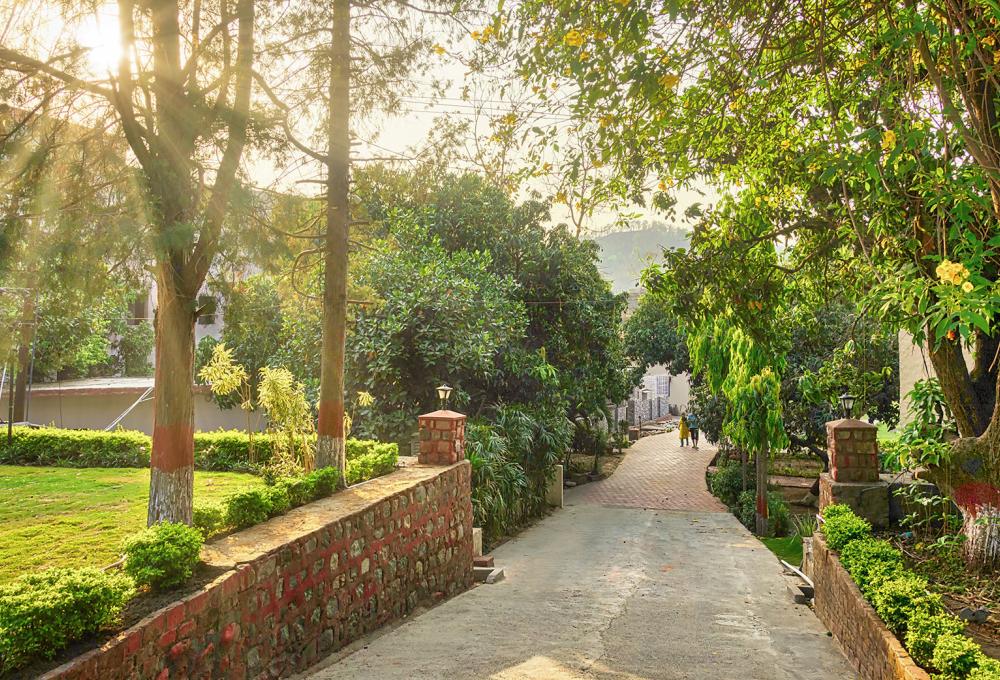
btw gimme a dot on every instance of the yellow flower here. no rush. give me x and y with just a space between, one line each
561 197
662 186
967 286
438 49
813 167
989 40
622 2
598 163
952 272
888 140
476 35
607 120
584 55
669 81
786 144
574 38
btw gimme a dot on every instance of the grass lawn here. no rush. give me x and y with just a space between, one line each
74 517
788 548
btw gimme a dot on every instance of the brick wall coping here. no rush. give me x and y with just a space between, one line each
852 423
871 648
250 544
446 414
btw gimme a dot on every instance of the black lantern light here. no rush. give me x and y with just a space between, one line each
443 393
847 404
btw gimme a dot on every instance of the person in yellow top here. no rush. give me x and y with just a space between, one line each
685 432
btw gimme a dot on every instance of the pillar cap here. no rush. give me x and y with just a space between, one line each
443 415
852 423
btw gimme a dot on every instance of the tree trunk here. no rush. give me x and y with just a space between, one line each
743 468
25 339
330 430
171 486
760 468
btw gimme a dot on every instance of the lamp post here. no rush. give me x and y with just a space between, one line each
443 392
847 404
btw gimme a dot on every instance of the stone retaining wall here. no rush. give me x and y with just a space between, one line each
871 647
305 584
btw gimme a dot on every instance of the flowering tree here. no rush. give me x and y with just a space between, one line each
862 138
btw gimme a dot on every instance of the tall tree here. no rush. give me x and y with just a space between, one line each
181 95
866 136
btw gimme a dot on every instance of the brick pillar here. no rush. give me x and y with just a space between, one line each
853 450
442 437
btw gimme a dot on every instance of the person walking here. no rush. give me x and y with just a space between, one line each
693 426
684 431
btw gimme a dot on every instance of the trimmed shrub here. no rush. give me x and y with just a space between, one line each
836 510
300 490
956 655
746 509
277 497
246 508
229 450
840 528
726 483
923 631
42 613
163 556
208 519
56 447
899 599
870 561
379 461
324 481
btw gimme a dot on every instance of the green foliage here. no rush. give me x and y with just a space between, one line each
324 481
871 561
746 509
162 556
380 459
988 669
132 348
229 450
247 508
779 516
653 337
955 655
278 500
841 527
299 490
209 519
923 631
726 483
75 448
42 613
898 599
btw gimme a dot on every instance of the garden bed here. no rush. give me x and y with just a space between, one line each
581 464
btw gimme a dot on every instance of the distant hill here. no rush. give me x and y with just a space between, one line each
624 254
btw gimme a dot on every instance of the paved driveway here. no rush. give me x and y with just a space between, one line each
606 588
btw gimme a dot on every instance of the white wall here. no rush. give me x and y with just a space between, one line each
914 365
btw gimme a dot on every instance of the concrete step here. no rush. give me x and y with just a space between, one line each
488 574
482 561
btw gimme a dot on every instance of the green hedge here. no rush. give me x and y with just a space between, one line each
221 451
75 448
931 635
42 613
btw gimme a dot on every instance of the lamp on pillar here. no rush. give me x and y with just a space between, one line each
443 392
847 404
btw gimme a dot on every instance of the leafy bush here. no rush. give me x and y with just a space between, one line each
162 556
208 519
836 510
42 613
779 516
923 631
746 509
355 448
898 599
300 490
726 483
75 448
229 450
870 561
324 481
840 528
373 463
246 508
988 669
278 500
956 655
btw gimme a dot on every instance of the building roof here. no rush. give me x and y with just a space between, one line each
99 386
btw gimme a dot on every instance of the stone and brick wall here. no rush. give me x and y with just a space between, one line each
305 584
871 647
442 437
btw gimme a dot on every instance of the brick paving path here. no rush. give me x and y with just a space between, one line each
657 474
